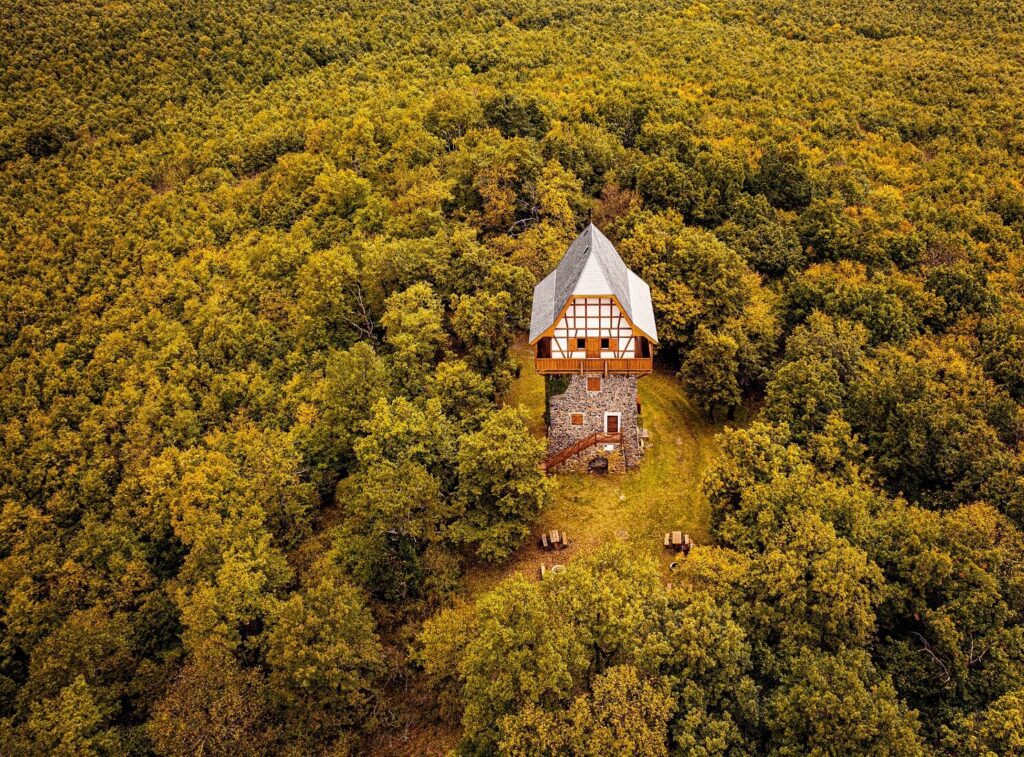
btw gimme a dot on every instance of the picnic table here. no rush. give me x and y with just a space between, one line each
678 541
554 539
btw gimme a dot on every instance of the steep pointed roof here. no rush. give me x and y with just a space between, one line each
592 267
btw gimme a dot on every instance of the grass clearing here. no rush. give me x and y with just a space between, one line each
636 508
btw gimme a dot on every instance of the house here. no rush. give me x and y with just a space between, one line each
593 331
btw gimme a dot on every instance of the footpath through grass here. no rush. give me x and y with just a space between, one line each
636 508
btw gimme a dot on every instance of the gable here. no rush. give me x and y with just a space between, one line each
592 267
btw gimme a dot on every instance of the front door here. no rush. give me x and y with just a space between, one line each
593 346
611 423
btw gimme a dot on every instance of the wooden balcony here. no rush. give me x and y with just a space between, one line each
634 366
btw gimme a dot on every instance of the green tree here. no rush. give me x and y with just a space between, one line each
804 395
710 668
782 176
481 324
623 714
520 654
615 604
813 589
763 239
838 704
323 657
412 322
500 487
331 411
709 373
71 724
996 730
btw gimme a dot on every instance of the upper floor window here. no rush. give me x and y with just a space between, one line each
581 343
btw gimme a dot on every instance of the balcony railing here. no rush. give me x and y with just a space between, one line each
634 366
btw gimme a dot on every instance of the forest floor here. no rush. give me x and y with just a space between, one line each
637 508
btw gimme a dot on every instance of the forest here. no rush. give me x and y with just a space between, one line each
263 265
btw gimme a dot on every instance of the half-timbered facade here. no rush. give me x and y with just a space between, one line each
592 328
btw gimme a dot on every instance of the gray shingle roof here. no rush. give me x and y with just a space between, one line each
592 266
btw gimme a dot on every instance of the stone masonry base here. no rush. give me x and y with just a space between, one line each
617 394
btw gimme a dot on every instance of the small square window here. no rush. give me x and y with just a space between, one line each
593 383
605 343
581 343
577 419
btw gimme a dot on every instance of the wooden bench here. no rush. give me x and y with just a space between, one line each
668 540
544 543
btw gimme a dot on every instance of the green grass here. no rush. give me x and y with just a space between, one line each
636 508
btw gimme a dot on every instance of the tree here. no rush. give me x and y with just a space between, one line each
520 654
615 604
412 322
695 280
464 394
763 239
623 714
500 488
213 707
516 115
331 412
951 616
709 665
324 657
936 427
480 322
813 589
823 339
89 645
393 513
838 704
782 177
418 432
1002 351
332 309
998 729
709 373
804 395
71 725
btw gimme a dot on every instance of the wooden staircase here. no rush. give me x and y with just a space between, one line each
562 455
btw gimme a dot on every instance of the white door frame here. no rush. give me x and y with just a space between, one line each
617 415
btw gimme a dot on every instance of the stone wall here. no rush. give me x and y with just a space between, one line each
617 395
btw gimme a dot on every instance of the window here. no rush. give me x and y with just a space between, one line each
593 383
544 347
581 343
577 419
606 343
